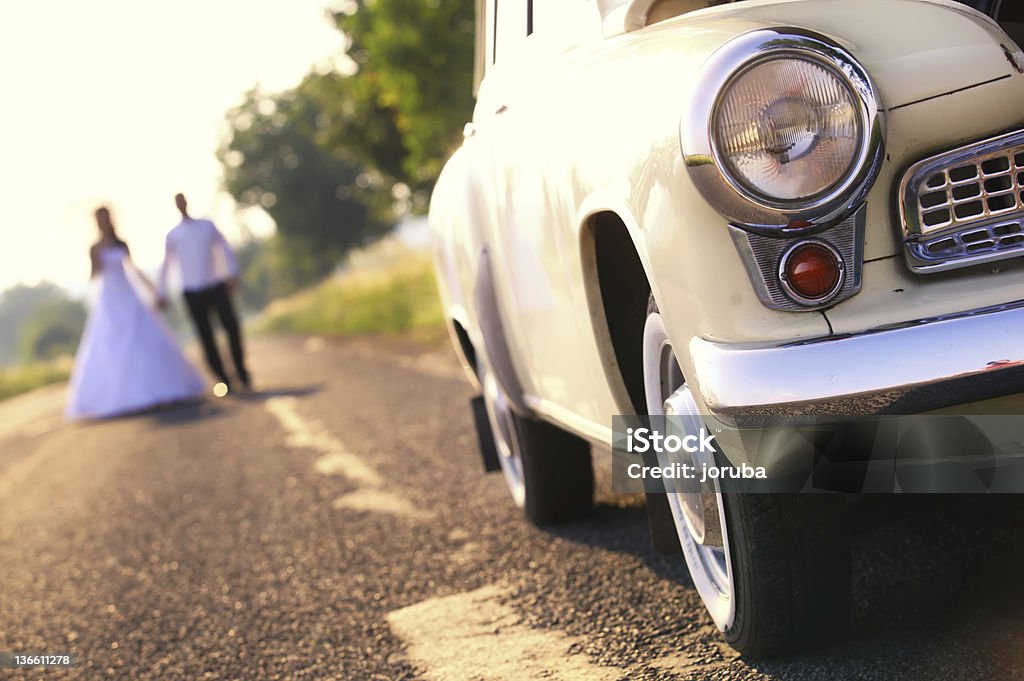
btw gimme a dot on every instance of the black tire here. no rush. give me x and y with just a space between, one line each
790 559
791 572
547 469
557 471
664 537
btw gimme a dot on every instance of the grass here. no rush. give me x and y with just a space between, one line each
25 377
383 290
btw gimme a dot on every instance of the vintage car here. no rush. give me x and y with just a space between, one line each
757 207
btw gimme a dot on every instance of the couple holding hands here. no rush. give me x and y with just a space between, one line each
128 359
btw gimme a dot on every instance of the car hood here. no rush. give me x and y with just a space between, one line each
913 49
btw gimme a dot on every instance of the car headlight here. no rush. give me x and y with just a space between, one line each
782 132
787 129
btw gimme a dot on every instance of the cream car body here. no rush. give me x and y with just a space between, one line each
573 159
565 132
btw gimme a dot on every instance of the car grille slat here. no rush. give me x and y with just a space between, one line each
966 206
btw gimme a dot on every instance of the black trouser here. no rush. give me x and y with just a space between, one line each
200 304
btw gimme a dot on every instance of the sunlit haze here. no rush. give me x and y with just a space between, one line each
123 102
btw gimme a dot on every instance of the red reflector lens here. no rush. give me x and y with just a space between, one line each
812 271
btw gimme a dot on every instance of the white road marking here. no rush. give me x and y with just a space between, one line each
303 434
379 501
470 552
332 464
474 635
336 459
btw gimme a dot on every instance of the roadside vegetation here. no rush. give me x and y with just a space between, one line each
385 289
39 330
22 378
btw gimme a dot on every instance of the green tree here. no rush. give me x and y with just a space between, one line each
274 268
275 156
415 61
354 124
52 329
334 159
17 305
365 134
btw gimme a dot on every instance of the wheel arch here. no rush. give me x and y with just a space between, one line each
617 281
462 344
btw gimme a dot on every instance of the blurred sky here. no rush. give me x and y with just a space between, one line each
123 101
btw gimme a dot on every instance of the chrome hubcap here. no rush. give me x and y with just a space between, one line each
697 510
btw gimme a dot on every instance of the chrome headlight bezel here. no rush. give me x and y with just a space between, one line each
711 175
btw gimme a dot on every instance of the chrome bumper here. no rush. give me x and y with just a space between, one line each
919 366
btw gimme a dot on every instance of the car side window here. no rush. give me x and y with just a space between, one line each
509 24
1011 18
511 21
565 21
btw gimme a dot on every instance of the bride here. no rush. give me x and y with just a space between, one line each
128 359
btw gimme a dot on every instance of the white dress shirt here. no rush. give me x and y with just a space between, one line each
193 245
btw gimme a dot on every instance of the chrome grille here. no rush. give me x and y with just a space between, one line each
964 193
966 206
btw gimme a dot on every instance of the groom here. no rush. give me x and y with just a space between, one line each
192 245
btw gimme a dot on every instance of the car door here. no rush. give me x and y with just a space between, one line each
536 236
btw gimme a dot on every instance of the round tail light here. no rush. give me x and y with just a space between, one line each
811 272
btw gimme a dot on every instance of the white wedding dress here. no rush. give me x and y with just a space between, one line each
128 359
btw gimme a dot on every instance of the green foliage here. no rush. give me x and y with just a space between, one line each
415 60
38 322
275 268
332 159
274 157
52 330
354 126
400 300
21 379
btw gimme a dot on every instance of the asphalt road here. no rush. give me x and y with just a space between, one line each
337 525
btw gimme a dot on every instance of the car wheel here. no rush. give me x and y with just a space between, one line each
773 570
547 470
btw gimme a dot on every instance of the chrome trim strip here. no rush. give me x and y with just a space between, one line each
762 255
980 353
710 175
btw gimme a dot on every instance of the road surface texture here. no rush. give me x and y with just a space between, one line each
337 525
